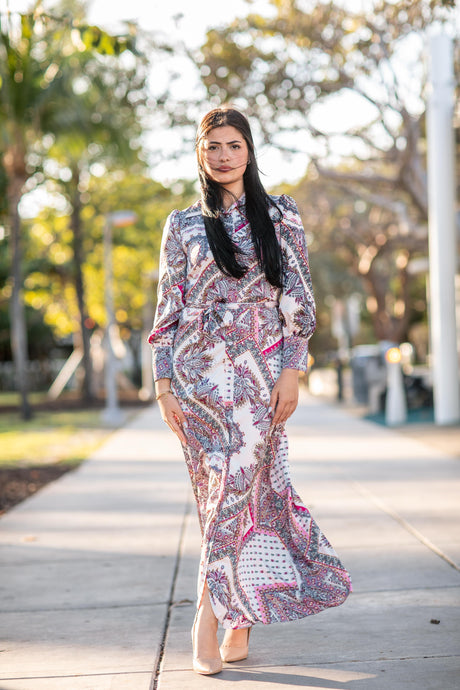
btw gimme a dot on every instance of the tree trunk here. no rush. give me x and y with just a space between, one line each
386 326
78 256
17 310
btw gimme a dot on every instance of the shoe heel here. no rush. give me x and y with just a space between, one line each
229 653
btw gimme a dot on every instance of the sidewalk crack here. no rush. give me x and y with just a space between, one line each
404 524
171 602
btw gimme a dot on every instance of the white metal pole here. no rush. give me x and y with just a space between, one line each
441 221
112 413
395 404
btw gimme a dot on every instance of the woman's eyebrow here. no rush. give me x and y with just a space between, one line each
234 141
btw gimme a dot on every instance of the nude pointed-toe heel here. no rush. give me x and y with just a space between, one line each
229 653
204 665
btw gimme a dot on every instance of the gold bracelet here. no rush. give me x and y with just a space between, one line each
157 397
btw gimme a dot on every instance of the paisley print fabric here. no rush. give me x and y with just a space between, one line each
223 342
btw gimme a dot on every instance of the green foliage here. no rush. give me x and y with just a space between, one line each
67 101
356 249
279 67
61 76
365 198
49 286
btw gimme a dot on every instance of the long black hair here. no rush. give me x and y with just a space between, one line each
225 252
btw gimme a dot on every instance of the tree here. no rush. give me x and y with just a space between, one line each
284 68
351 243
49 285
108 102
36 98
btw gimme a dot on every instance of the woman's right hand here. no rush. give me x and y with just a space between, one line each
172 414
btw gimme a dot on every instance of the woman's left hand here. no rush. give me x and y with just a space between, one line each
285 396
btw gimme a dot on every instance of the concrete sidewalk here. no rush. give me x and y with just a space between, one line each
98 569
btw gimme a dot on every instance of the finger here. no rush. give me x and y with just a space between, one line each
179 433
177 412
273 400
287 413
279 412
292 409
179 429
173 411
181 418
176 427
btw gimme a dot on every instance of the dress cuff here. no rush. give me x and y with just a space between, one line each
295 353
162 362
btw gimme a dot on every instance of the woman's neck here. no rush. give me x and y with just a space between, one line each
232 192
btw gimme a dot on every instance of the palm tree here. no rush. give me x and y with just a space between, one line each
26 107
40 57
106 127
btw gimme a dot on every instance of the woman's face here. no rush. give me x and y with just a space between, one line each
224 155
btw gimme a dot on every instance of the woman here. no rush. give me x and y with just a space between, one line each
235 312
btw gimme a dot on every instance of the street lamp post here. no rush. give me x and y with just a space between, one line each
112 413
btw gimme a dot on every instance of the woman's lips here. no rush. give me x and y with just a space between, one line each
224 168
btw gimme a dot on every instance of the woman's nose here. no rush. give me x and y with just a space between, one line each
223 154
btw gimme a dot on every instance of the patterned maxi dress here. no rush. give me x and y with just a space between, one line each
224 342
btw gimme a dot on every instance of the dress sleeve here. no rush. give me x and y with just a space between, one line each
170 302
297 304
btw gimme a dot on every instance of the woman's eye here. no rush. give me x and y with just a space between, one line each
236 146
212 148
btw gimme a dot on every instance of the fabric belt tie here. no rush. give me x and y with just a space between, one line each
217 316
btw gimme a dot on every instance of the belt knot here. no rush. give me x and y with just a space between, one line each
218 315
215 317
